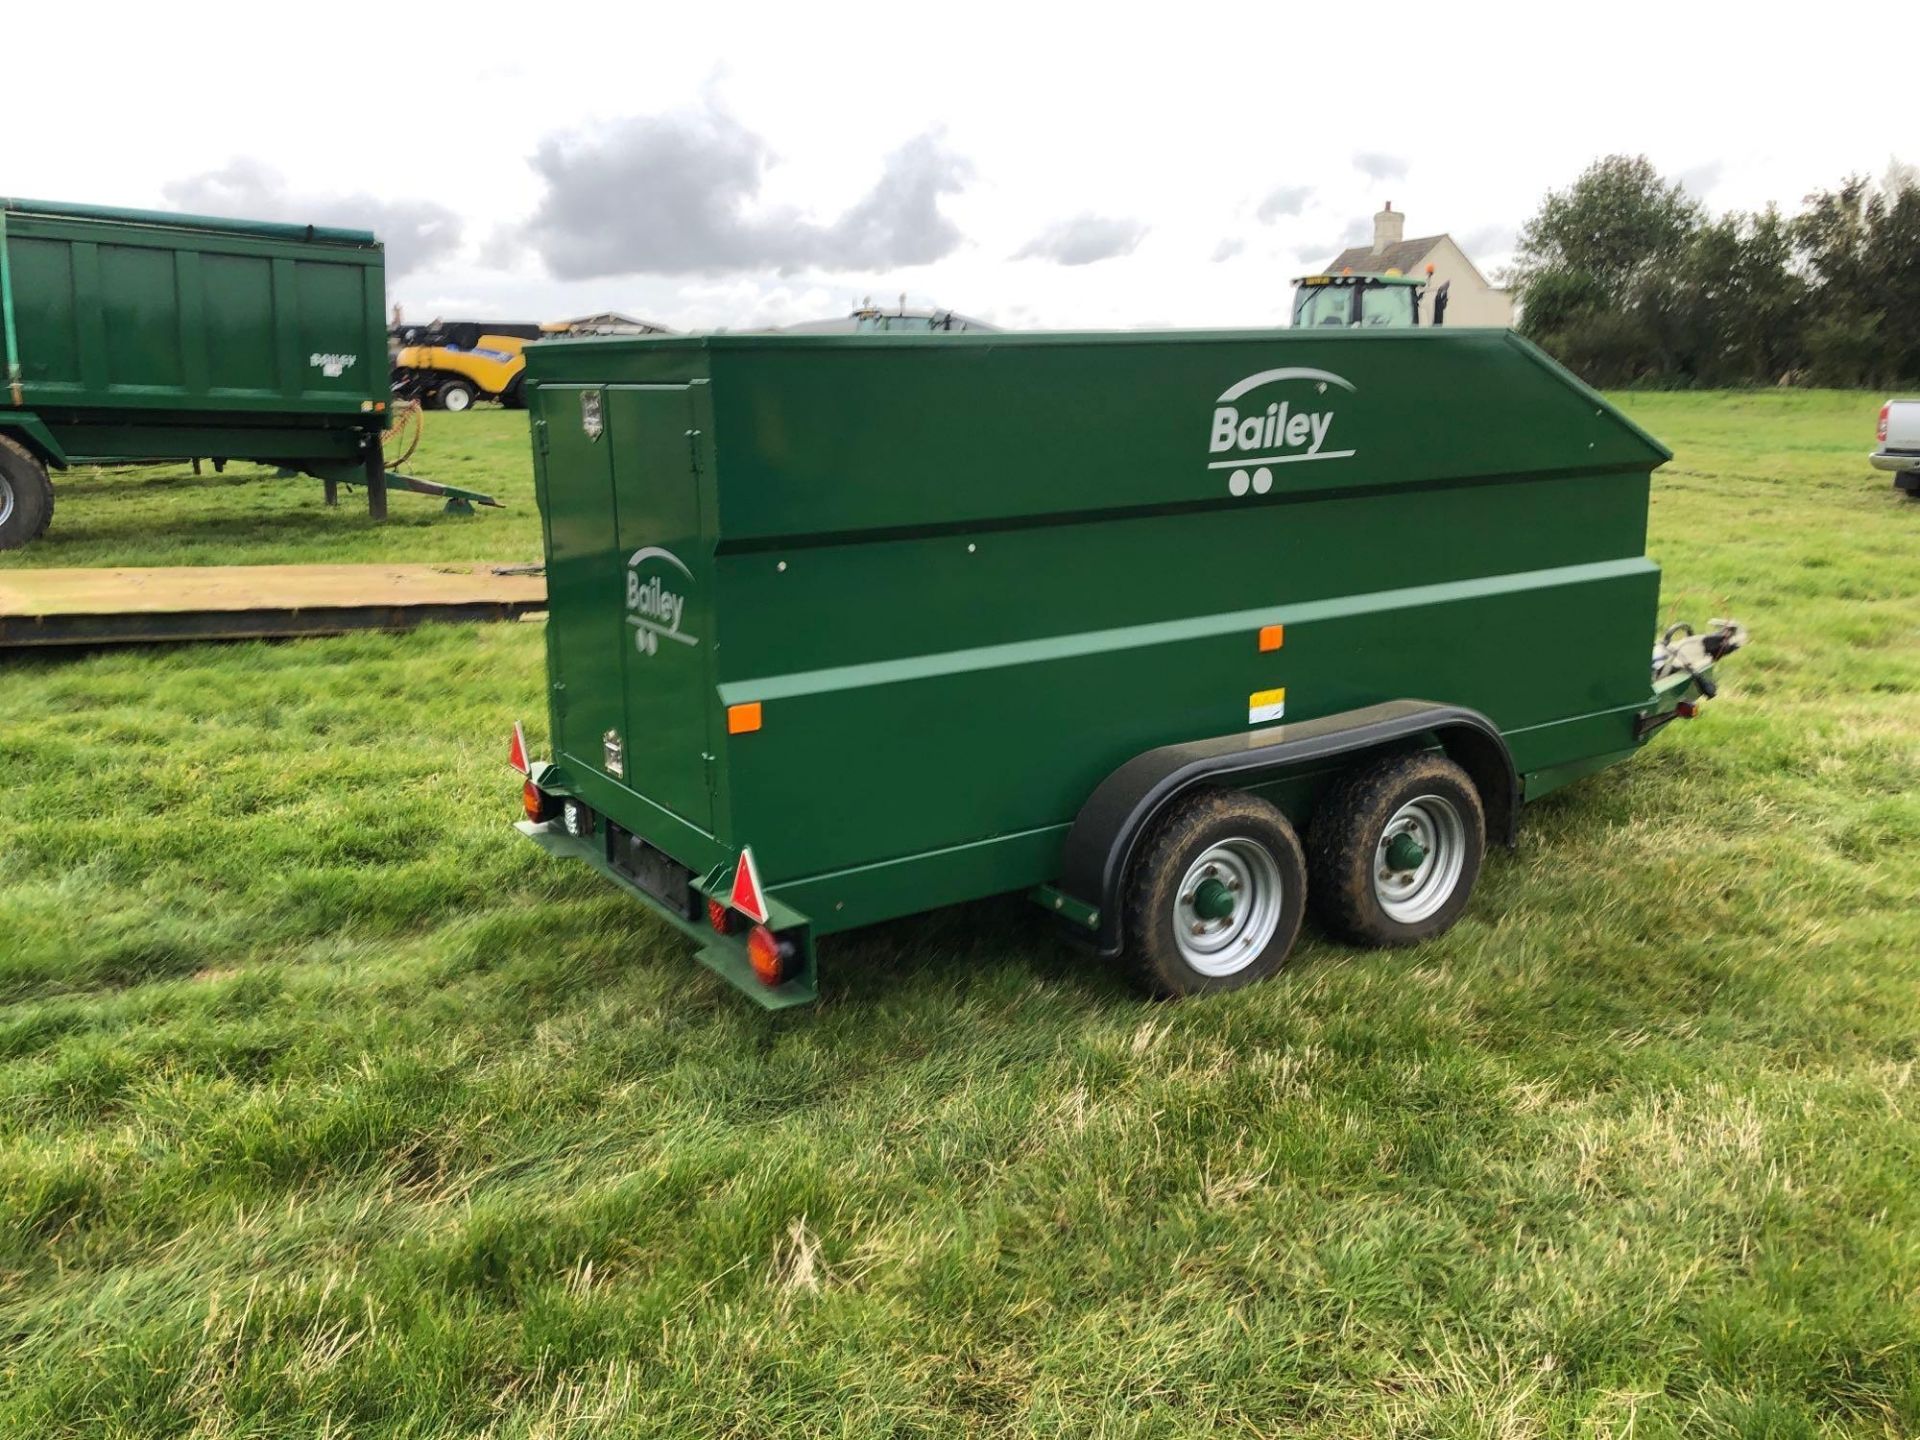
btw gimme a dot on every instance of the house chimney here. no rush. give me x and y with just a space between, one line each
1389 228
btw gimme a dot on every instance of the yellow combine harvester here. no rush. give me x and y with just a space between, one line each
451 364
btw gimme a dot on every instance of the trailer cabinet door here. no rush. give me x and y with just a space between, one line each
665 580
585 636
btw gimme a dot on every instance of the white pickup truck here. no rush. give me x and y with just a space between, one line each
1900 445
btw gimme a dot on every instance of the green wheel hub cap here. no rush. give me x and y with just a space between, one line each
1420 859
1405 853
1212 900
1228 906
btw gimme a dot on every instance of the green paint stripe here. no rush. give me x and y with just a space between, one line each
1168 632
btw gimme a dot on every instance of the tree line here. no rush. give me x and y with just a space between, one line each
1625 279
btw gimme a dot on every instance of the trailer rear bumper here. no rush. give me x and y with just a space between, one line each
725 955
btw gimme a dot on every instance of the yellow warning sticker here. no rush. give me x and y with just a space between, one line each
1265 705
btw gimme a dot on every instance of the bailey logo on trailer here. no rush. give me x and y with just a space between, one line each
332 366
1251 433
656 602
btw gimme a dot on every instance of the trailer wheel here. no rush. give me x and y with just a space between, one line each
26 496
1396 848
456 395
1215 897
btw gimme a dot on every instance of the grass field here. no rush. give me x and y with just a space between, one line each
329 1108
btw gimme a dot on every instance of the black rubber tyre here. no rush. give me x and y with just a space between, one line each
26 496
1366 892
1242 847
454 395
514 397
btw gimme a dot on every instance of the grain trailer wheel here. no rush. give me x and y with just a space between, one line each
26 496
1396 847
1215 897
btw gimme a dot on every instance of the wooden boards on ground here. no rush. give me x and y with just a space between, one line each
251 602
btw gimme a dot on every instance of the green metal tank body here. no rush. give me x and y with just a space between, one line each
966 577
132 335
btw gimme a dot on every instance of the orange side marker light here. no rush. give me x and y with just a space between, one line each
743 719
1272 637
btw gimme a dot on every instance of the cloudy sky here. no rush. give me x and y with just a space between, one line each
711 164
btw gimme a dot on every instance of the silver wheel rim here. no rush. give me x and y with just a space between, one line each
454 400
1224 945
6 499
1412 893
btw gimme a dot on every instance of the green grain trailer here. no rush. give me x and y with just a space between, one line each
136 337
848 627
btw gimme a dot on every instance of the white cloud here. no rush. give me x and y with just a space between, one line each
683 194
804 203
416 232
1378 165
1084 240
1700 180
1287 200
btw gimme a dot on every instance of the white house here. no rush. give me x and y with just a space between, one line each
1471 300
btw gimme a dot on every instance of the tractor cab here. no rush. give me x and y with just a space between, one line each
1369 302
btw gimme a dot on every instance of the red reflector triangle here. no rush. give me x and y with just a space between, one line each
747 896
517 753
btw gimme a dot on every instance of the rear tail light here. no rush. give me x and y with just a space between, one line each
1881 433
771 957
720 917
1687 709
537 803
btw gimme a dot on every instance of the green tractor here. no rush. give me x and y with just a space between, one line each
1369 302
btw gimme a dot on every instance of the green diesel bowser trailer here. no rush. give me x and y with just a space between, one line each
1176 632
131 336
